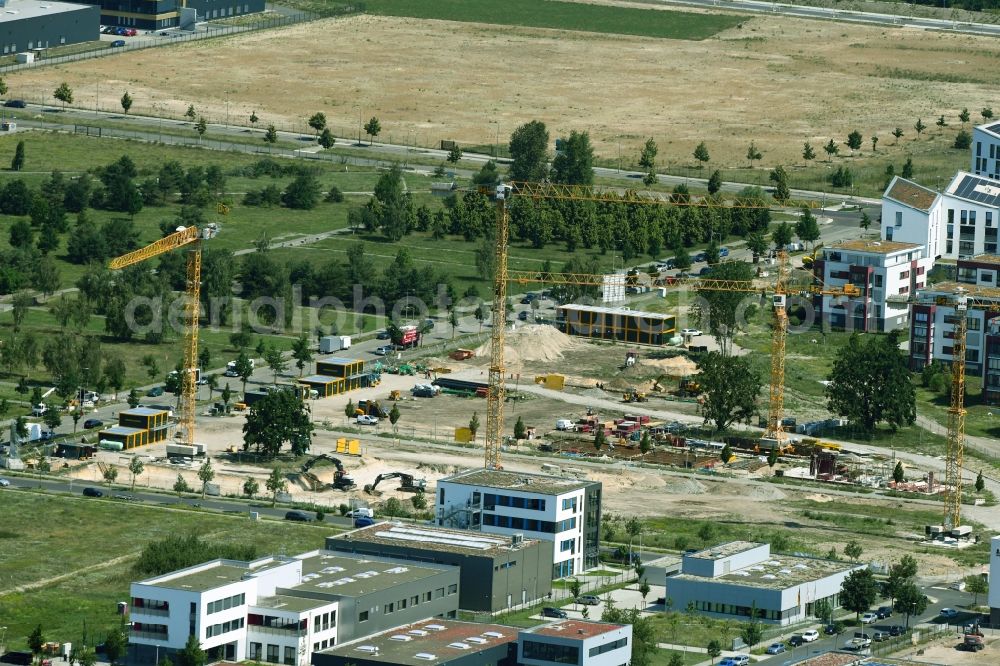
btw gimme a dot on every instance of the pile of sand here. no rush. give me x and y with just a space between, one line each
676 366
678 486
530 343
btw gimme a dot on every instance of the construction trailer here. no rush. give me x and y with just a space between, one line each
623 325
351 371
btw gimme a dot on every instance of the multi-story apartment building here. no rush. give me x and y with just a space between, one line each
278 610
911 214
887 273
986 151
566 512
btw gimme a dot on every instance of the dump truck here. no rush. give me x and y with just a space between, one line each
371 408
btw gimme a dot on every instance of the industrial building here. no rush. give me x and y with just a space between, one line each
495 569
157 14
730 579
280 609
621 324
565 511
436 642
26 25
887 274
138 427
575 642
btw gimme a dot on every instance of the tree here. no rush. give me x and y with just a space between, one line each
714 649
919 126
253 118
419 501
574 164
192 654
715 182
135 468
756 243
858 591
326 139
910 600
853 550
36 640
964 116
720 311
701 154
866 221
874 143
575 587
276 484
682 259
901 573
941 122
854 140
870 383
647 158
126 102
600 439
302 353
897 473
772 459
251 487
807 227
644 588
823 610
271 136
831 149
675 659
110 474
226 395
897 133
201 127
808 153
727 454
3 86
980 482
394 416
455 154
474 425
779 177
782 235
349 409
133 399
706 533
645 443
963 140
115 644
372 129
190 114
528 147
244 369
318 122
205 475
986 113
453 321
752 632
481 314
753 153
17 163
64 94
520 430
279 417
52 417
975 585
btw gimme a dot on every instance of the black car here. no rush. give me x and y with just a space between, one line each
93 423
884 612
548 611
830 629
796 640
298 516
523 315
896 630
92 492
15 103
383 335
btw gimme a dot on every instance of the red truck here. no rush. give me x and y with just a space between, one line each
409 337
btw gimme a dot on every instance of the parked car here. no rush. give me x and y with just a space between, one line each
879 636
868 618
367 419
830 629
15 103
548 611
723 252
131 32
298 516
4 483
896 630
698 257
39 409
775 648
588 600
383 335
384 350
707 270
117 43
92 492
155 392
693 332
736 660
796 640
523 315
363 521
884 612
92 423
361 512
948 612
810 635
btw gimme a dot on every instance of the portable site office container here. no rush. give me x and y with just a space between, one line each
156 421
130 438
350 371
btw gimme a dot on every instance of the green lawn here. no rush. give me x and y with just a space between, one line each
45 536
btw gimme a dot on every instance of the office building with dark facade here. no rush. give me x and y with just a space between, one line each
157 14
494 568
26 25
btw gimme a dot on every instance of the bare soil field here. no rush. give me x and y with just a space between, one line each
774 80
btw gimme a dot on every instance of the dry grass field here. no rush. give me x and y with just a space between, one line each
773 80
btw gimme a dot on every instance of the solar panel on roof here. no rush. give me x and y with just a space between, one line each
980 190
995 128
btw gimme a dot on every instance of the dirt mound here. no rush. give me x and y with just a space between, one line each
684 487
531 343
677 366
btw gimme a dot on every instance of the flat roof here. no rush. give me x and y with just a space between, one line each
427 537
725 550
991 128
339 360
319 379
292 604
436 640
978 189
17 10
573 629
540 484
615 311
121 430
873 247
349 575
779 572
217 574
142 411
971 290
983 259
911 194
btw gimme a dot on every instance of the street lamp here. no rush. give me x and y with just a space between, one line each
496 144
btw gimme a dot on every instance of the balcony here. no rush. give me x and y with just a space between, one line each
152 635
275 631
144 610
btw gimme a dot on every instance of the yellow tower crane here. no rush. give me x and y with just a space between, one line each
778 290
190 238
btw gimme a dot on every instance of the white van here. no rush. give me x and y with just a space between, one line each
564 424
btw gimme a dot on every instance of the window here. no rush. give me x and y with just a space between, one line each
388 608
904 275
363 616
438 593
951 216
414 600
608 647
255 650
272 653
427 596
899 218
558 654
289 655
441 496
453 588
989 218
401 604
567 545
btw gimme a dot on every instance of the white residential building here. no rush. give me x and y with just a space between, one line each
986 151
994 595
575 642
911 214
278 610
564 511
887 273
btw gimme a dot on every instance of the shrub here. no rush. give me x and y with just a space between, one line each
334 195
178 552
963 140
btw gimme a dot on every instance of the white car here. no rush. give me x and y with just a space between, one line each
365 419
868 618
39 409
4 483
810 635
384 350
693 332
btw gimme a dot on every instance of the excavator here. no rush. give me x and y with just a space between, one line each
407 483
341 481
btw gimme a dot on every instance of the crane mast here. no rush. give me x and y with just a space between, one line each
497 388
956 421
